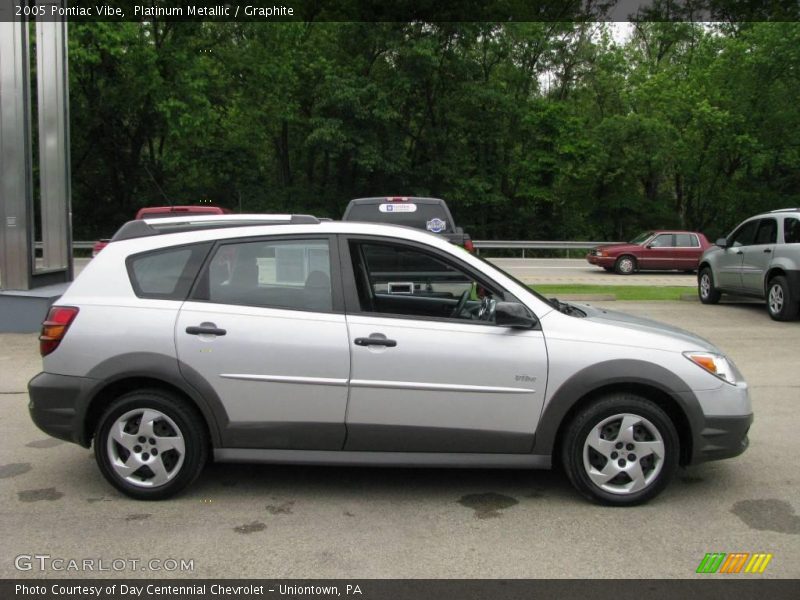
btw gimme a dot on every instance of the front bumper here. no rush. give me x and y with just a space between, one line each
600 261
722 437
58 405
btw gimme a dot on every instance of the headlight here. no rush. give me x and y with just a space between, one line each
716 364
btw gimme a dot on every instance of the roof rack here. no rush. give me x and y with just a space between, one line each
147 227
785 210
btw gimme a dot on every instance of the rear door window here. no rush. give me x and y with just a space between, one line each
292 274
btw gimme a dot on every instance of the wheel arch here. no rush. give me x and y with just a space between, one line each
773 271
660 398
651 381
126 373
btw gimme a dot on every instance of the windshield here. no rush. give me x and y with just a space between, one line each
641 238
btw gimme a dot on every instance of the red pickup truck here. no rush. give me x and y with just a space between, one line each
153 212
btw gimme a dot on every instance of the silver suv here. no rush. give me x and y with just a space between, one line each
761 258
287 339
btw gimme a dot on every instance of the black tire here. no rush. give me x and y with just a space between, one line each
625 265
781 304
706 291
651 426
609 269
177 421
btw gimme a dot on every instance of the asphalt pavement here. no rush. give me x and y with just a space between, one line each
287 522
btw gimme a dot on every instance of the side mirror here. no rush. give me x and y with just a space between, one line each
512 314
722 243
649 246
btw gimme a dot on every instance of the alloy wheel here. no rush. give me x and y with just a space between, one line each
705 285
623 454
145 448
775 299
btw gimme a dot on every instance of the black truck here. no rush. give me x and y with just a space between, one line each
430 214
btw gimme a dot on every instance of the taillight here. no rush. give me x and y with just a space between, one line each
397 198
55 327
469 246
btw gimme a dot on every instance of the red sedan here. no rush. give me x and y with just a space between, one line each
652 251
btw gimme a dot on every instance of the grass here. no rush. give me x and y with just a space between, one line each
622 292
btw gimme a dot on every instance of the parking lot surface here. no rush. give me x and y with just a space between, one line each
286 522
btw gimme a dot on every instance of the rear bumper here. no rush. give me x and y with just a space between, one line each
721 437
58 405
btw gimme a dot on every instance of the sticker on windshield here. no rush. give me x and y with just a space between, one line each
436 225
405 207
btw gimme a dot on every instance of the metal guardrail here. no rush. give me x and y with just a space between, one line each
75 245
534 245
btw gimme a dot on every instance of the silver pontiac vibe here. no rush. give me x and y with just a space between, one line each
288 339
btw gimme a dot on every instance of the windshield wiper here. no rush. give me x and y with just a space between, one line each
567 309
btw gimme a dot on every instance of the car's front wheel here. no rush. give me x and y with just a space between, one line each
150 444
621 450
780 303
705 287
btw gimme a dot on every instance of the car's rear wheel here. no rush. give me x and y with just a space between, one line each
621 450
150 444
782 306
625 265
705 287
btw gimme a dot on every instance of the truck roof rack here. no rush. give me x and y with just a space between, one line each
147 227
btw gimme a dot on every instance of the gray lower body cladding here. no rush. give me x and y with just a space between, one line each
58 406
722 437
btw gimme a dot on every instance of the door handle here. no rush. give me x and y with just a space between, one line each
768 250
375 341
739 252
205 329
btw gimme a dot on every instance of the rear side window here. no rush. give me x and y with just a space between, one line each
791 230
166 274
686 240
291 274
